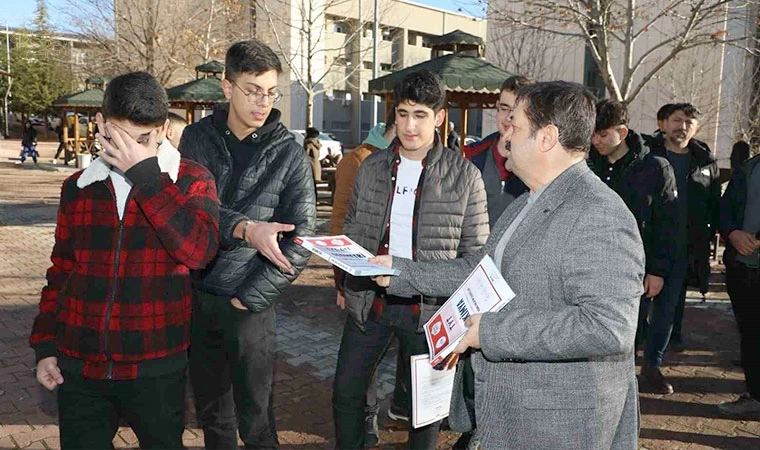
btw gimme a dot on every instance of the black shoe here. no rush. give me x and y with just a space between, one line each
398 413
371 432
463 442
654 382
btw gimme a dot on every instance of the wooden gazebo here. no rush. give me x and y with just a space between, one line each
471 81
202 93
88 101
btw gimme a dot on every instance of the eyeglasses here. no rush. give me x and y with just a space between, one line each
257 97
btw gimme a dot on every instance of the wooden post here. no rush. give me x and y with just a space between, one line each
463 127
189 115
76 139
445 125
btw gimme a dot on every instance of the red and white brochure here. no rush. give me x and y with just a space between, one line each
484 290
346 254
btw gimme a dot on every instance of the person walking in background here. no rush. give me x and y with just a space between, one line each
61 147
114 322
453 141
312 146
267 199
29 143
740 227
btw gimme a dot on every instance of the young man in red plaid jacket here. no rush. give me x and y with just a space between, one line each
114 322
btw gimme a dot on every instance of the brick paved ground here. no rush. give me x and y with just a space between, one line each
309 329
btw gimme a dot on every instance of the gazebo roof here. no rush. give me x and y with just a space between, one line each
212 66
456 37
89 98
460 73
204 90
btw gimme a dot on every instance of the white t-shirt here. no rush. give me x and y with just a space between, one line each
402 210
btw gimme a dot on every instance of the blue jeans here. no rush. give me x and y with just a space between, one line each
360 353
29 150
663 313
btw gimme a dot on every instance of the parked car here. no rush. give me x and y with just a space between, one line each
329 145
469 140
37 121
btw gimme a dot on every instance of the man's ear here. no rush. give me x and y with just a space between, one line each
163 133
227 88
623 131
439 117
548 137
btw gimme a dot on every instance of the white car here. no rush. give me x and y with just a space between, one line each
328 144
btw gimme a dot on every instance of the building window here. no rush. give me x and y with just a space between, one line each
368 65
411 39
592 77
340 27
426 41
341 125
386 67
387 34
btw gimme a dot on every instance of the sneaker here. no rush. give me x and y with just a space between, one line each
654 382
371 432
398 413
741 406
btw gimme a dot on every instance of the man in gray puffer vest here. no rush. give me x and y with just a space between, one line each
266 190
413 200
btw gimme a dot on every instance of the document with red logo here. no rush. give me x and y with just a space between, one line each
346 254
484 290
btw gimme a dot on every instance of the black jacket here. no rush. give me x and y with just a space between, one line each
733 202
647 185
277 186
704 207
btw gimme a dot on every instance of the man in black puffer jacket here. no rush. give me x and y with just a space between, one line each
266 193
647 185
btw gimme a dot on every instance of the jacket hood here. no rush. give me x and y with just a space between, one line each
375 137
221 112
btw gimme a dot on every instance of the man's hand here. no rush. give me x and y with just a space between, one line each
238 304
120 149
653 285
745 243
340 300
383 260
48 373
471 338
263 237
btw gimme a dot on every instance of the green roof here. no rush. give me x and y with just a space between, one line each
212 66
89 98
204 90
457 37
460 73
97 80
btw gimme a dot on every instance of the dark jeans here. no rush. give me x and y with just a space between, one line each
360 352
62 148
663 314
743 285
89 410
400 390
232 372
29 150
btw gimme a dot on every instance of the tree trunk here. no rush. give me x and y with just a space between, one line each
309 109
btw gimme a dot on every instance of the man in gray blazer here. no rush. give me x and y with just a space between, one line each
555 368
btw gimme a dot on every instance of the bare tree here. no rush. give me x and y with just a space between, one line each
526 51
317 63
631 41
166 38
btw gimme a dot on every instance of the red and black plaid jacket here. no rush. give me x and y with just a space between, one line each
118 300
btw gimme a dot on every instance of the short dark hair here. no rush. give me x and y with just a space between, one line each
312 132
515 82
136 97
176 119
664 111
252 56
610 113
688 110
568 106
422 87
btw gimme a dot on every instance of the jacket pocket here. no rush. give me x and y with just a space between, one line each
559 399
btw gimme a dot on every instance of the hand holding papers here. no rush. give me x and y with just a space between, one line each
345 254
484 290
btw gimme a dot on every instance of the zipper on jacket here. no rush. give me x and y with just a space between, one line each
109 309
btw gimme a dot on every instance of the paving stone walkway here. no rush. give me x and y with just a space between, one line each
309 328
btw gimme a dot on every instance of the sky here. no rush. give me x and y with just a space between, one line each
17 13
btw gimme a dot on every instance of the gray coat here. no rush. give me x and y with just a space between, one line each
452 221
556 369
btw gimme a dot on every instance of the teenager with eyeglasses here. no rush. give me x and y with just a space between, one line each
267 197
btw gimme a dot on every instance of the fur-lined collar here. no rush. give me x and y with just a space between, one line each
168 161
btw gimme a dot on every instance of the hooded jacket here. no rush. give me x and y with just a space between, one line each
704 206
647 185
277 186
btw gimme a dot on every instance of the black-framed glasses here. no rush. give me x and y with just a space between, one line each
256 97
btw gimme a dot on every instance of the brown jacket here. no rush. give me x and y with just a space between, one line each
345 175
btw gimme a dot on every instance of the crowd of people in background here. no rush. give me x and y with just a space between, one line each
183 235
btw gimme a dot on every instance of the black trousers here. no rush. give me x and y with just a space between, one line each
89 410
232 372
743 285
